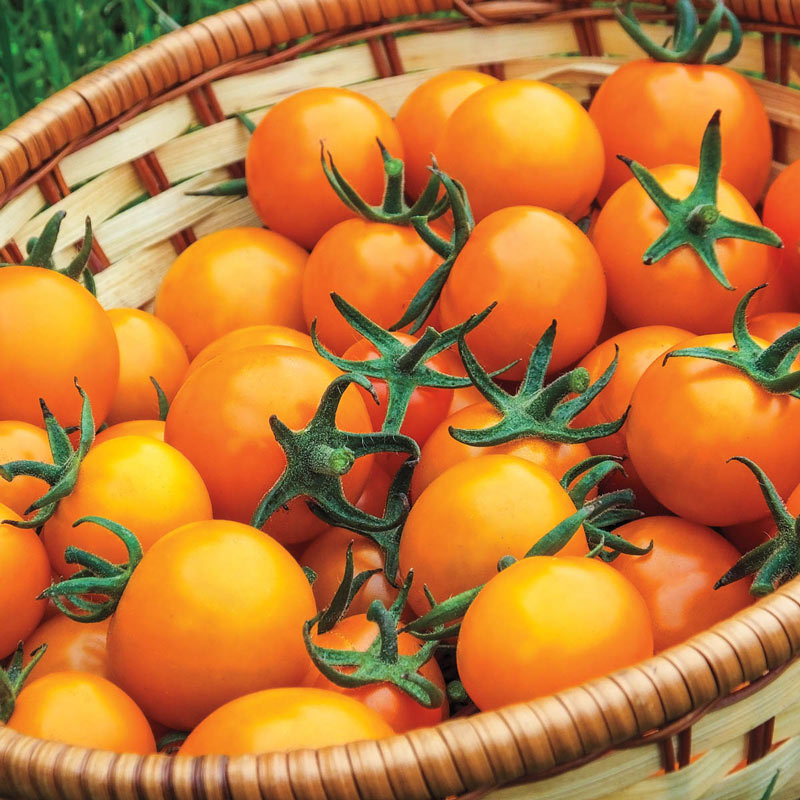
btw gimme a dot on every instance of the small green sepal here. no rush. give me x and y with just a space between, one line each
163 402
770 367
13 678
318 455
696 221
536 410
689 45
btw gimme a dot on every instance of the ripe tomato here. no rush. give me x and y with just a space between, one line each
442 451
21 441
477 512
376 491
71 646
656 113
638 348
689 416
285 181
677 577
326 556
774 324
82 709
399 710
214 610
780 215
375 266
52 331
424 114
522 142
136 481
220 421
497 264
147 348
24 575
549 638
679 289
277 720
154 428
253 336
232 279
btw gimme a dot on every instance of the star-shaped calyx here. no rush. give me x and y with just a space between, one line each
13 678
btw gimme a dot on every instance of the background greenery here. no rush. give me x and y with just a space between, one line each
47 44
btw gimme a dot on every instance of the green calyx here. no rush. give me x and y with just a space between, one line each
12 679
402 367
769 367
696 222
62 474
97 577
688 44
40 252
536 410
393 209
319 454
163 402
423 302
381 662
774 562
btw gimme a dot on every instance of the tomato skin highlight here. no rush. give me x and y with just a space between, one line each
677 577
220 422
53 331
82 709
689 416
214 611
522 142
532 623
232 279
21 441
71 647
24 575
473 515
656 113
679 290
148 348
285 182
537 266
278 720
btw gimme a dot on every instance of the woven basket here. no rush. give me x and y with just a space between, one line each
127 142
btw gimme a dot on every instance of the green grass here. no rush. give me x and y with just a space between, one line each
47 44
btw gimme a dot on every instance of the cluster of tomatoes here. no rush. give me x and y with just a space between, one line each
382 428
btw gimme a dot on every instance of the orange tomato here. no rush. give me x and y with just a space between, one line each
71 646
21 441
232 279
82 709
781 216
147 348
476 513
441 451
220 421
154 428
53 331
549 638
24 575
679 289
377 267
214 611
656 113
252 336
689 416
277 720
677 577
424 114
136 481
285 181
399 710
497 264
522 142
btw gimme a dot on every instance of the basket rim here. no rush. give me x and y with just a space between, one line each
573 726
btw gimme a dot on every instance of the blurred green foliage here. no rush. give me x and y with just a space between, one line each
47 44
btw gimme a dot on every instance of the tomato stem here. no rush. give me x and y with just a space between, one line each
13 678
696 221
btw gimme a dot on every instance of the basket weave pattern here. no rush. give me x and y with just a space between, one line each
126 143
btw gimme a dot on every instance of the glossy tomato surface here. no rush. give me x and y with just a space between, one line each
780 214
71 646
21 441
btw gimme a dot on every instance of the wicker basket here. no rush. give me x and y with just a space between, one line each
714 718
